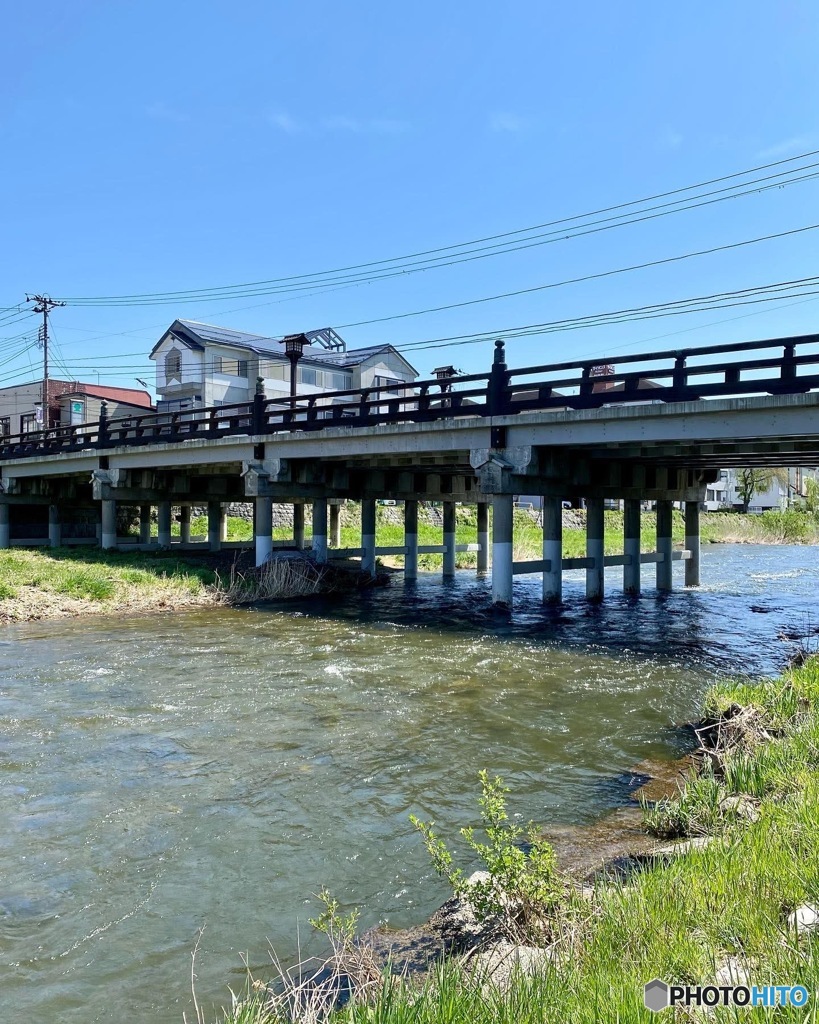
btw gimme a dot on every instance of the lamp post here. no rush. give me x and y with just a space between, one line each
294 345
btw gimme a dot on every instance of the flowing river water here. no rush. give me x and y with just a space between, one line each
215 768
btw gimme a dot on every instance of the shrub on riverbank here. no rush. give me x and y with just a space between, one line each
720 911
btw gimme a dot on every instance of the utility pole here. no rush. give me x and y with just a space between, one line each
44 305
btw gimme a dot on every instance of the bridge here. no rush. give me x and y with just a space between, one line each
650 426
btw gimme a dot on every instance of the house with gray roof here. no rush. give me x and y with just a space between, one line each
200 365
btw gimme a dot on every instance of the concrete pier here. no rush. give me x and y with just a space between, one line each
553 550
483 537
54 526
595 575
223 527
502 549
185 524
631 545
368 536
320 530
215 525
664 545
144 524
163 513
108 539
335 525
298 526
263 529
411 539
5 532
692 543
449 539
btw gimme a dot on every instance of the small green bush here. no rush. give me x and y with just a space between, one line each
523 887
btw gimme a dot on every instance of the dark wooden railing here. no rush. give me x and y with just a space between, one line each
786 366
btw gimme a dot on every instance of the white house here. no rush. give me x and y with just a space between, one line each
199 365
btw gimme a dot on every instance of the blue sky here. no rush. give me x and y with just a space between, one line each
164 146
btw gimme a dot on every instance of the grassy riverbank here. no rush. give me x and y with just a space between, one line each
718 911
37 584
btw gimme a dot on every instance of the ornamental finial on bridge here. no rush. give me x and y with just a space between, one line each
500 354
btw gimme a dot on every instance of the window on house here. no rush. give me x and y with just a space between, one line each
5 426
308 375
383 382
276 370
28 423
230 367
173 365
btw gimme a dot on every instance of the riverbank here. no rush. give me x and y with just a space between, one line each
49 584
728 896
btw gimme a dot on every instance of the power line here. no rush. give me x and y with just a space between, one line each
580 280
432 255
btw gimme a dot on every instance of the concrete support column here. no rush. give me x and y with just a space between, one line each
664 548
483 537
54 526
144 524
411 540
368 536
631 545
5 530
298 526
553 550
215 525
692 543
449 539
185 524
335 526
320 530
263 529
108 538
502 549
595 575
163 515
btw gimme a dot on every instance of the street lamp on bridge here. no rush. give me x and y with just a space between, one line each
294 345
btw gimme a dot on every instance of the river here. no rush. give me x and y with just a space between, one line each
215 768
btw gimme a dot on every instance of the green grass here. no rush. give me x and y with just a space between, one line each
678 919
100 577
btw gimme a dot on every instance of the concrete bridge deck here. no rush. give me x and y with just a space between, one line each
563 432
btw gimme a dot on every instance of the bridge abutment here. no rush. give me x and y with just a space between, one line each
692 543
108 532
185 524
595 575
411 539
552 550
502 549
54 526
631 545
320 530
263 529
163 515
449 539
298 526
483 537
665 545
215 516
368 536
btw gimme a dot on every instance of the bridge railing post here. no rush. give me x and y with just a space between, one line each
103 434
497 399
257 426
788 366
680 376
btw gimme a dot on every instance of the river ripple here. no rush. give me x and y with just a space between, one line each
217 767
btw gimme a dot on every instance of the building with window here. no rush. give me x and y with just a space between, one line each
199 365
69 402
